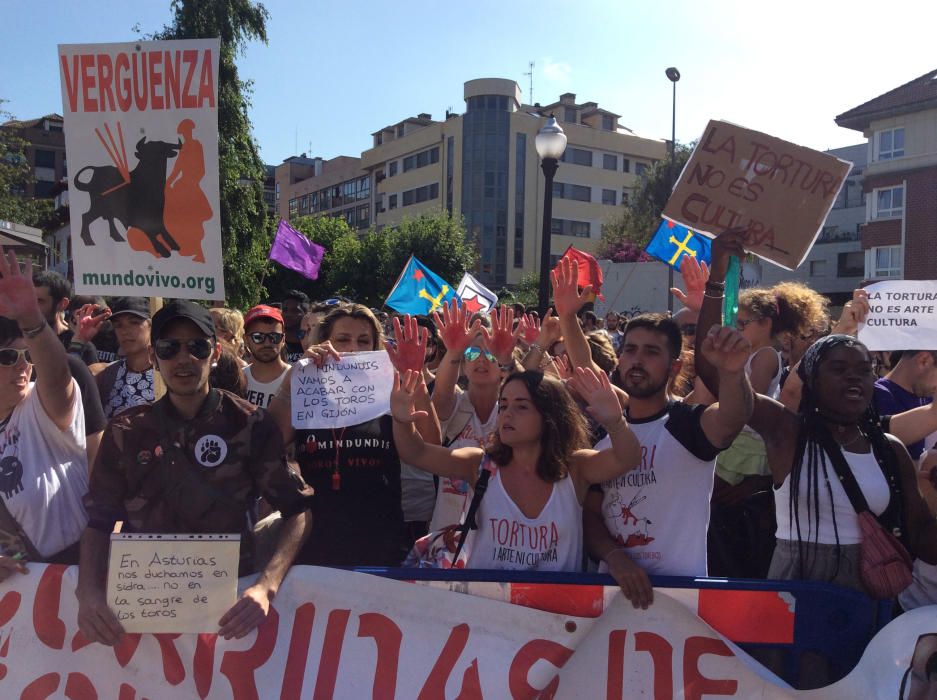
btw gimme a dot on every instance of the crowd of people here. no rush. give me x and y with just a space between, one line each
637 446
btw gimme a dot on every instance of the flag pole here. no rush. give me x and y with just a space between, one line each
399 277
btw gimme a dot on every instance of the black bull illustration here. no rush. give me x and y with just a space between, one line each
137 203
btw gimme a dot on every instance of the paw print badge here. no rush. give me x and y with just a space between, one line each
210 450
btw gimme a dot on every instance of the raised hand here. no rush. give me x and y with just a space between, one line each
453 327
566 295
854 313
322 353
596 390
410 349
561 367
695 276
548 329
503 336
729 242
87 324
17 293
726 349
403 396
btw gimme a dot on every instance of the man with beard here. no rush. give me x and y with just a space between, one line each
654 519
264 337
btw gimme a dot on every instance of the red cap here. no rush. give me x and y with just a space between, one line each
263 311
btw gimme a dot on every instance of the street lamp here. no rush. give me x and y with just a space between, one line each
550 144
673 75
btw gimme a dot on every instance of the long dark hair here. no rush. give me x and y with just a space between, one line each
813 433
564 427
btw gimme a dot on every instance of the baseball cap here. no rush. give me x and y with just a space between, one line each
182 308
138 306
263 311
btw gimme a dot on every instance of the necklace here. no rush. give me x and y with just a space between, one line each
840 429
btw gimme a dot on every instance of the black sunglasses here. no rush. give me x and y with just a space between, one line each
168 348
11 356
258 337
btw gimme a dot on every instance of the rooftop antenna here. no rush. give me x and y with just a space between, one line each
296 140
530 74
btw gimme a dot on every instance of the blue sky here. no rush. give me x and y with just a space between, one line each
333 72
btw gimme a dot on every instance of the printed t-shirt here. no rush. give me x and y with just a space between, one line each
130 389
361 521
262 393
659 512
892 399
453 494
44 473
294 352
88 353
508 539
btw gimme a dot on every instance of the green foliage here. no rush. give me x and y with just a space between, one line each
526 292
15 175
245 233
637 220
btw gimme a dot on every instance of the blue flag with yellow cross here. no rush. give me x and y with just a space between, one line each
672 241
419 290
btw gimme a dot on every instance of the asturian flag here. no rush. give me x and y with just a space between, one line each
672 241
419 290
475 296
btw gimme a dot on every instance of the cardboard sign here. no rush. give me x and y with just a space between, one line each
354 390
780 192
141 135
172 583
902 316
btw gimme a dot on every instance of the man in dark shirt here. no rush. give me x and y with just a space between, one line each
52 293
193 462
295 306
911 383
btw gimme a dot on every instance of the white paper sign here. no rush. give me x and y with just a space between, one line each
903 316
354 390
172 583
141 134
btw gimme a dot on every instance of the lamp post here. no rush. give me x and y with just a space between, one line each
673 75
550 144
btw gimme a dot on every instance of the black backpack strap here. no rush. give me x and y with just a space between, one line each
480 487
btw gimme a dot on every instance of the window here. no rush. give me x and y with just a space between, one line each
577 156
609 162
348 191
293 207
889 203
349 215
569 114
850 264
392 168
890 143
580 193
420 194
520 173
400 129
610 197
640 169
886 261
364 187
44 158
564 227
626 165
817 267
608 122
421 159
364 216
392 201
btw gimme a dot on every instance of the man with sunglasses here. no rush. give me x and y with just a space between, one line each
43 462
192 462
264 336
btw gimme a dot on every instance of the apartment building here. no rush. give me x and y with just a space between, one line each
482 165
45 152
900 181
316 187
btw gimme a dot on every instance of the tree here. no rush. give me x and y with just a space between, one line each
15 175
637 220
245 234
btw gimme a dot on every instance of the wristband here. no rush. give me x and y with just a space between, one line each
707 295
716 285
30 333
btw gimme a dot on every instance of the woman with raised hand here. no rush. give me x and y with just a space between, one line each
530 517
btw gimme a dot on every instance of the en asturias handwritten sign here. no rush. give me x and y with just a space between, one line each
172 583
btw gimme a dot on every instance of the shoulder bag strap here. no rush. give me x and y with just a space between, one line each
480 487
10 524
844 473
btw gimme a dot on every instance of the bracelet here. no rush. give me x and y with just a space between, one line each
706 295
535 346
31 333
716 285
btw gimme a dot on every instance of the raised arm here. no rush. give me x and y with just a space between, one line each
456 335
503 336
568 300
726 351
409 353
53 378
280 406
539 335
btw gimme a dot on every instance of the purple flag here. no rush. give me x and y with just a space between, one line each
294 251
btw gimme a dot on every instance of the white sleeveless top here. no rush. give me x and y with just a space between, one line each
262 393
871 482
508 539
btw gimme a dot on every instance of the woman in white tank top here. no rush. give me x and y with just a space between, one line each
531 515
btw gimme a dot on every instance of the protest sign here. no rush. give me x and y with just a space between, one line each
902 316
141 136
350 391
780 192
172 583
365 636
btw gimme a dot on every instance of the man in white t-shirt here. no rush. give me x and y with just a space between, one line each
43 463
264 337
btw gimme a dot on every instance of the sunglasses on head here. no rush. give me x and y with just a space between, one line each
11 356
258 337
473 353
168 348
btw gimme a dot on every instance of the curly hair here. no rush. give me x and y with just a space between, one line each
230 321
603 352
792 307
357 311
564 427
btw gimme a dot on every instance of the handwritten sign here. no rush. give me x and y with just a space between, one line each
172 583
354 390
902 316
780 192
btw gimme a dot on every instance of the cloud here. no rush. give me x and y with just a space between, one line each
556 71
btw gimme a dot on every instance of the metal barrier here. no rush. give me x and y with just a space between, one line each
832 622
